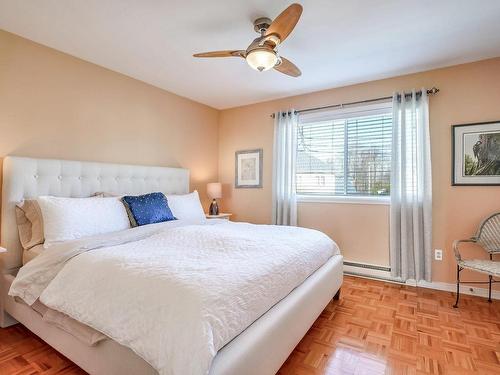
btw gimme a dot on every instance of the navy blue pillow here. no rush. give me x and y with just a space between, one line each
148 209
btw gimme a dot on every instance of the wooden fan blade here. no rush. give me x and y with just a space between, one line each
236 53
283 25
287 67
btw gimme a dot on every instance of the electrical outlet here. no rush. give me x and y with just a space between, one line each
438 254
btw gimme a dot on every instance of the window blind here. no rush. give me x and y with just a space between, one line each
345 156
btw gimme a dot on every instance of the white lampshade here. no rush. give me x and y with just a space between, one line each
262 59
214 190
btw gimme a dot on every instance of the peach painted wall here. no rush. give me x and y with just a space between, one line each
469 93
57 106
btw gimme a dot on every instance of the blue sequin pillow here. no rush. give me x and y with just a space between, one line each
147 209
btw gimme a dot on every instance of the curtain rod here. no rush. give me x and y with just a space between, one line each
432 91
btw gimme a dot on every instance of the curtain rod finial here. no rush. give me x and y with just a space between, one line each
433 91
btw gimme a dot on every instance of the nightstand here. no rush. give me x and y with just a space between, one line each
219 216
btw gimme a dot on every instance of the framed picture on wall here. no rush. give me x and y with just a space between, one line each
476 154
248 169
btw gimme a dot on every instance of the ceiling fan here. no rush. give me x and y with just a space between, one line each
262 53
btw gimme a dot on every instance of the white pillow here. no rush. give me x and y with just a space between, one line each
73 218
186 207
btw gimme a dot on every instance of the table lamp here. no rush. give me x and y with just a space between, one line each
214 191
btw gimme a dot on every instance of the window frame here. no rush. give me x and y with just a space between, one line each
344 113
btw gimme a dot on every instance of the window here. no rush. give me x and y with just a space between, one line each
345 153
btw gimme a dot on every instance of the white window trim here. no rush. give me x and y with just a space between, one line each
349 199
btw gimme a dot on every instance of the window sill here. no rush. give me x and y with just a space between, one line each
341 199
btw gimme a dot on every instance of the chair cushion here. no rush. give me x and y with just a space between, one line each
490 267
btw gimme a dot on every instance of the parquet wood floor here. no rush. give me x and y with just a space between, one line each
375 328
383 328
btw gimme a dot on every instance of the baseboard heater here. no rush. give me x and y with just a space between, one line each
371 271
368 266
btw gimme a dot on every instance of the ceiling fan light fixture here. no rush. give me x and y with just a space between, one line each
262 59
261 54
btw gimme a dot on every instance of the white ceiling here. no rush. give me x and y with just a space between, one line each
334 44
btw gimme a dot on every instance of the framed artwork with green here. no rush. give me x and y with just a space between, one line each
476 154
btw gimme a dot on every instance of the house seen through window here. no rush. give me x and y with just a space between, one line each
345 153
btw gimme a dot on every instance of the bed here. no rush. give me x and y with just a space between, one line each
260 348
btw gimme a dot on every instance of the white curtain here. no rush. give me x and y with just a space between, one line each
411 188
284 155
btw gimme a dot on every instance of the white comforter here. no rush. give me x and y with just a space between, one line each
173 293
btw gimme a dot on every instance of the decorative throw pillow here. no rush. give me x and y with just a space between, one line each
29 223
148 209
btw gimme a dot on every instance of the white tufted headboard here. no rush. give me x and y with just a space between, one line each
28 178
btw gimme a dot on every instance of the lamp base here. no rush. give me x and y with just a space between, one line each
214 208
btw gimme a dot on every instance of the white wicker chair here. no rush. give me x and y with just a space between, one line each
488 237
